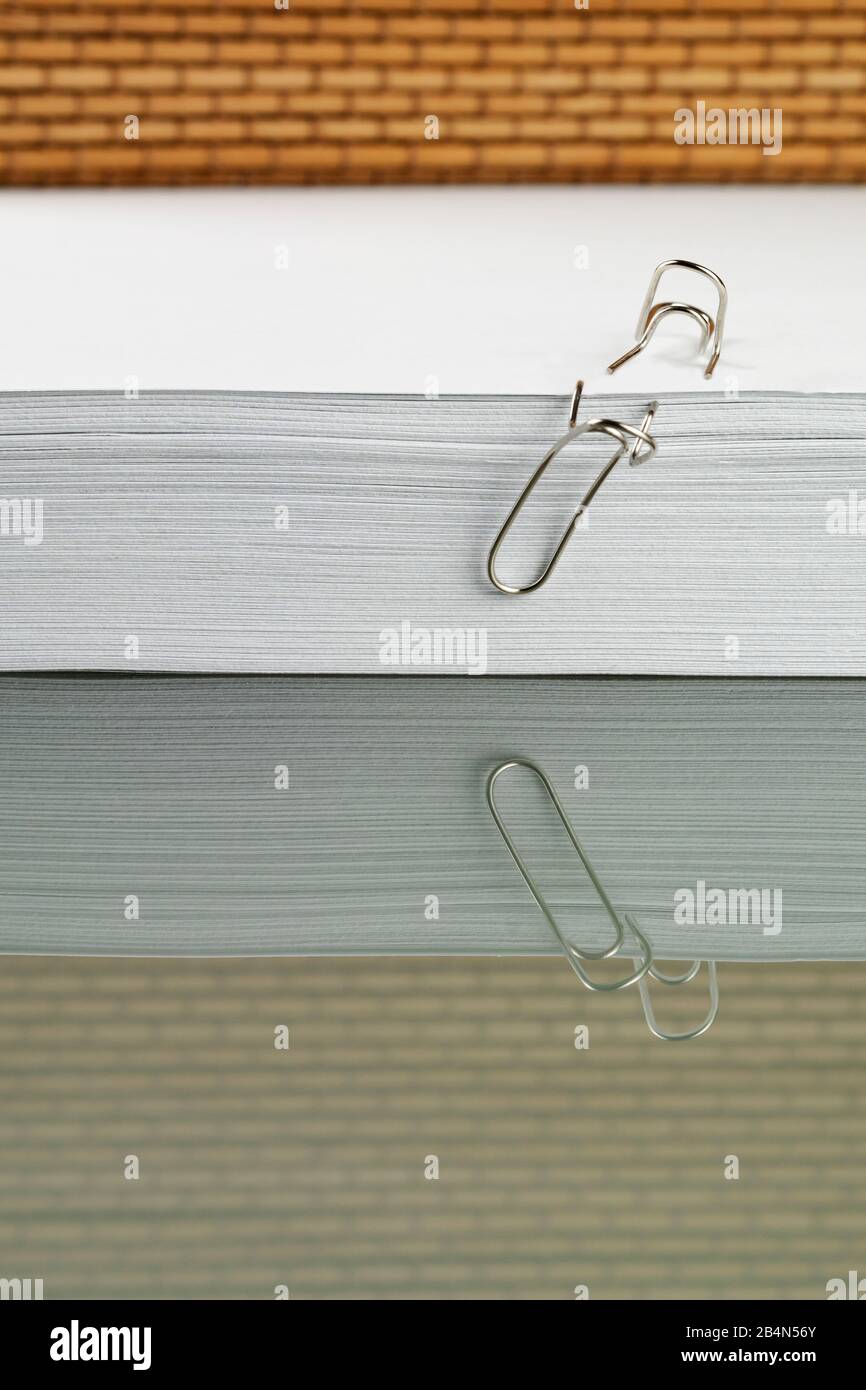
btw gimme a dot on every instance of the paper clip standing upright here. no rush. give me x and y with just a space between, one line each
645 969
652 314
572 953
622 434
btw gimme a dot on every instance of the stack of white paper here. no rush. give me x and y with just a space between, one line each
259 815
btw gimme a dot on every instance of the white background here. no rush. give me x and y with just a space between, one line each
386 288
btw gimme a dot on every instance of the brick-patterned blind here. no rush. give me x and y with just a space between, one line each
604 1166
335 91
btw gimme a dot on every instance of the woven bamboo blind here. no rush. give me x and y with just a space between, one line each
337 91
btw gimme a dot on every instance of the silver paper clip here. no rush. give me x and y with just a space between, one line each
645 969
573 955
622 434
652 314
649 1012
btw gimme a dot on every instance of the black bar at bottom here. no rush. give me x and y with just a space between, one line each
223 1338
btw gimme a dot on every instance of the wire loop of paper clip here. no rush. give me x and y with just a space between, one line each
644 965
623 434
651 314
573 954
649 1012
